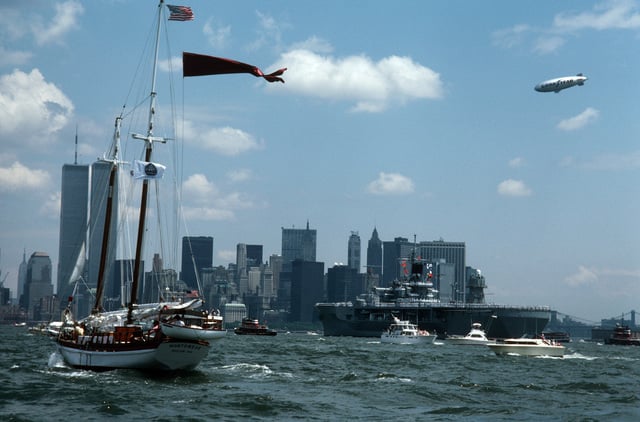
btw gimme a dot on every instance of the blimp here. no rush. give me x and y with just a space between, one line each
558 84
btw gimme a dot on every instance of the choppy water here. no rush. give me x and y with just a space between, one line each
311 377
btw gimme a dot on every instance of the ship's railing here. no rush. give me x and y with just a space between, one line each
458 305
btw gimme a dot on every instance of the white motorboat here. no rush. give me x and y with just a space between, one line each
191 326
405 332
528 347
475 337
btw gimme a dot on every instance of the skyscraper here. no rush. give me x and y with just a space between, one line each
374 254
353 250
197 253
38 284
298 244
307 288
22 276
74 212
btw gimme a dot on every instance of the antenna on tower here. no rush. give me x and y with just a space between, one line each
75 159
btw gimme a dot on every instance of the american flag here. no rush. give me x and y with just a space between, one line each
180 13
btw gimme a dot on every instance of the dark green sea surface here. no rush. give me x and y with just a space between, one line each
300 376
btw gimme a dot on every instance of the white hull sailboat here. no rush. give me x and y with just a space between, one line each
165 336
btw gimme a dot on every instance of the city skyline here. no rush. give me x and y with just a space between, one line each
422 120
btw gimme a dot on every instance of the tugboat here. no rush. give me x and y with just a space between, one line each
250 326
622 336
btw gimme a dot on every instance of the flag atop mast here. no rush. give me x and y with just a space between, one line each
180 13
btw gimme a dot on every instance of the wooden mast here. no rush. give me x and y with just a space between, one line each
111 192
148 139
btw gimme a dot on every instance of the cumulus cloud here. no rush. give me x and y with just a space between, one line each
579 121
222 140
32 109
372 86
18 177
512 187
64 20
391 184
203 200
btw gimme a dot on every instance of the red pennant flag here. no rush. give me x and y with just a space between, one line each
201 65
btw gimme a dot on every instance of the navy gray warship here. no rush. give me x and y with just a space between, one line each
413 299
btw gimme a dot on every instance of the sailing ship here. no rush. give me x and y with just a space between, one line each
155 336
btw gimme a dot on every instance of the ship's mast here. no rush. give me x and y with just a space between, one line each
111 191
149 139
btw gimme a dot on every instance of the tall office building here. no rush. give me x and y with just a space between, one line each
374 254
254 255
435 252
353 251
74 215
38 284
343 284
298 244
241 258
197 253
307 289
22 276
450 252
393 251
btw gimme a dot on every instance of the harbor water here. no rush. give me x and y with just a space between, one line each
306 376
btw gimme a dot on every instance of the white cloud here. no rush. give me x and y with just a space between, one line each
269 34
614 161
516 162
223 140
512 187
204 200
372 86
171 65
217 35
198 188
594 275
616 14
391 184
17 177
51 207
32 109
510 37
64 20
548 44
583 276
13 58
613 14
227 255
239 175
579 121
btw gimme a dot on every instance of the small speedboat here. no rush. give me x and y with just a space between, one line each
475 337
528 347
405 332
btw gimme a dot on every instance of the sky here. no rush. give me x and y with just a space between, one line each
417 119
